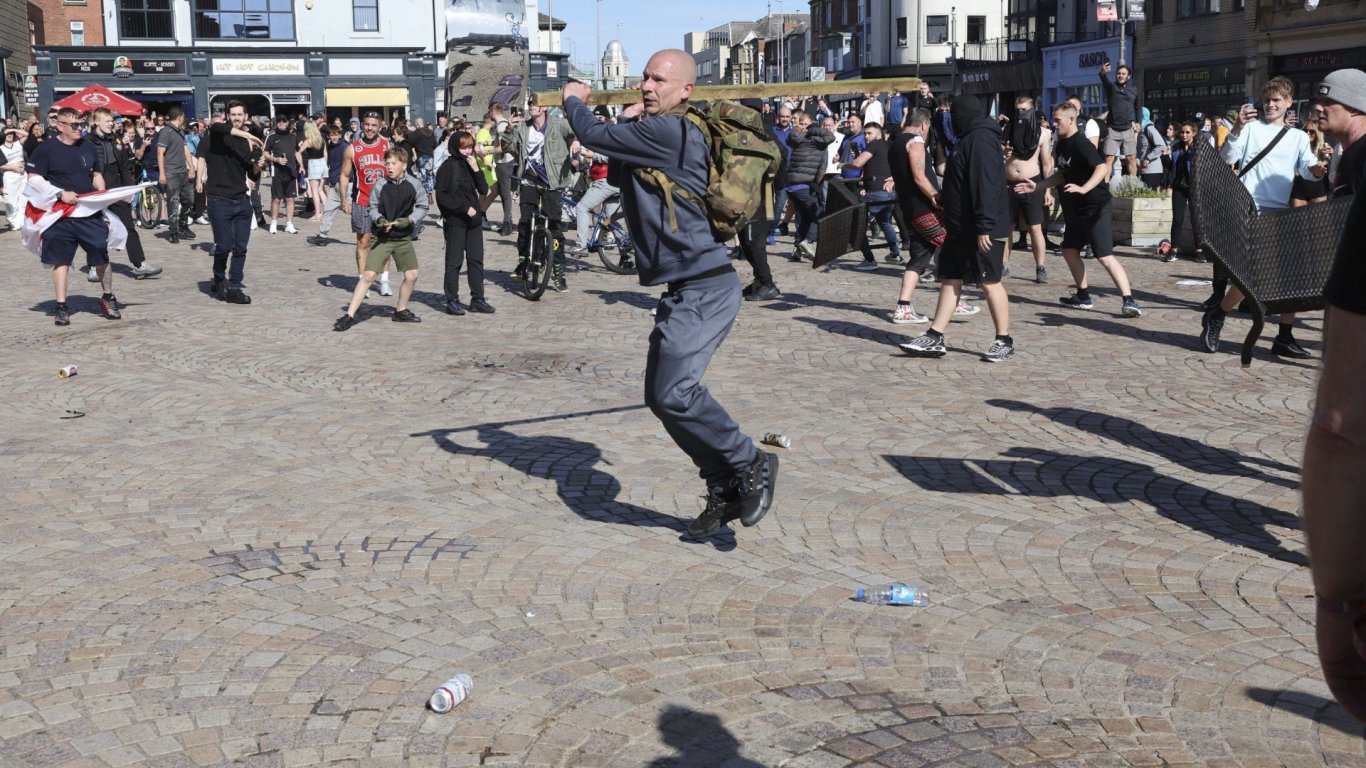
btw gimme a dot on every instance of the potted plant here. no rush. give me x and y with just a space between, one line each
1143 215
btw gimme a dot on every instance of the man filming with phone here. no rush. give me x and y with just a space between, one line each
1268 154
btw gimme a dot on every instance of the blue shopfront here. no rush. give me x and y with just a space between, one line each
1075 69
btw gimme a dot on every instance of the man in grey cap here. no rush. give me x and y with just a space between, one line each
1340 107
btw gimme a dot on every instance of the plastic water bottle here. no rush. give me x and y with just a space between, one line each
451 693
895 594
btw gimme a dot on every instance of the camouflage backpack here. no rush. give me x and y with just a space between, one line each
742 164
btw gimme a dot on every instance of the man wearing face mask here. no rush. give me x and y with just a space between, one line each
976 214
1030 159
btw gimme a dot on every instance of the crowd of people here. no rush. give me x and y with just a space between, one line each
945 182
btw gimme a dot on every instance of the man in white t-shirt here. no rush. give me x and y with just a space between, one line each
1268 154
871 110
1090 127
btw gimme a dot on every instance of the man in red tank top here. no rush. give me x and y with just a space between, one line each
364 161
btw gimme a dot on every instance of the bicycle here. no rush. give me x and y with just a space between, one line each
610 239
535 270
147 206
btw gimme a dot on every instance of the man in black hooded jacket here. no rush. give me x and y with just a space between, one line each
116 165
977 217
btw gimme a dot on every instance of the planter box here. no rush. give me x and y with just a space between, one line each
1142 220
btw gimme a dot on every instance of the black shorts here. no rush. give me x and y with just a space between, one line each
284 185
1093 228
919 252
959 260
91 233
1031 205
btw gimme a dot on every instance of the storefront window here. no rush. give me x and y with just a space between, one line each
243 19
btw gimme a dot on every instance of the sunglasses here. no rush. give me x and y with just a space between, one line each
77 124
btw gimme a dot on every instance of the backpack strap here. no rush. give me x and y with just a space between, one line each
1266 151
668 188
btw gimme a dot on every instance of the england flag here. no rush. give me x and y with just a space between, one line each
45 208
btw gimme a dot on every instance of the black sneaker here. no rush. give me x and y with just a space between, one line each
454 307
173 238
344 323
317 240
520 272
110 307
999 351
558 284
219 289
756 485
719 511
764 293
405 316
237 296
1075 301
924 345
1211 325
61 315
481 306
1289 348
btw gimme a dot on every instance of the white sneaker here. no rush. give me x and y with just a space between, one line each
385 290
94 275
272 226
966 310
252 225
904 315
202 220
290 230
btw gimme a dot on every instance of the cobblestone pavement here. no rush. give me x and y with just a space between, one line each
264 543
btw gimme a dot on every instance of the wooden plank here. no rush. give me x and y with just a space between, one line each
756 91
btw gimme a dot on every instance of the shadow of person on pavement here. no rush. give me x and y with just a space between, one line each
1192 454
585 489
1316 709
701 740
1049 474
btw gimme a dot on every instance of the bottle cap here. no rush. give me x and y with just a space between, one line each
858 595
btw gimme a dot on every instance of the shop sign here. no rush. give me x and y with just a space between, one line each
1135 8
1092 59
1192 76
259 67
1323 60
120 66
1105 10
30 90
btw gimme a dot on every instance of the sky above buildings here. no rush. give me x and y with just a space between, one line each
650 25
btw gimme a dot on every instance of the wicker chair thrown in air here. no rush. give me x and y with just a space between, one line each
1279 258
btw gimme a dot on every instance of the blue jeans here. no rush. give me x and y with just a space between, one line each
779 205
880 207
230 218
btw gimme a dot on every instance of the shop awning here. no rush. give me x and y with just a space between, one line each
97 96
367 97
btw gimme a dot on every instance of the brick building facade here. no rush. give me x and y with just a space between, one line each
66 22
1193 57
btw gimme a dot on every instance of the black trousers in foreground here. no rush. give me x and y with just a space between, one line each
464 241
754 247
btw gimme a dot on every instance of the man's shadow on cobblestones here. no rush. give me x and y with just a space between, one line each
1183 340
1316 709
701 740
635 299
1042 473
858 331
1190 454
572 464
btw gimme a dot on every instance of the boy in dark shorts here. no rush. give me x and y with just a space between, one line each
1083 174
397 203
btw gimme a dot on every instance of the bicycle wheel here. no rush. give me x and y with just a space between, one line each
614 248
148 204
538 265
